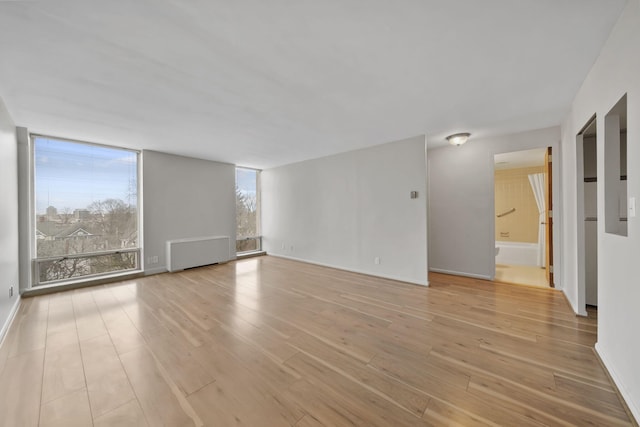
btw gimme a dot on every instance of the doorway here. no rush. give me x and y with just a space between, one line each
587 220
523 229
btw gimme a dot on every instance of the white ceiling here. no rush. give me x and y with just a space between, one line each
520 159
264 83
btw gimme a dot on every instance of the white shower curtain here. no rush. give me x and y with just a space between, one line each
537 185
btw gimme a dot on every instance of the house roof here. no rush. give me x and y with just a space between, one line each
49 228
75 231
57 230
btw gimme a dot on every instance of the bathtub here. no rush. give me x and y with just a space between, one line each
517 253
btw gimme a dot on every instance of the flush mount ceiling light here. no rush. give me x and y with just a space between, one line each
458 138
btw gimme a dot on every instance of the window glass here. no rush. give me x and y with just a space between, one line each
247 210
86 203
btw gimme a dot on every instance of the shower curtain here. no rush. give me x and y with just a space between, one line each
537 185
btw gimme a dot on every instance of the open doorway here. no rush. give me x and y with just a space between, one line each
524 253
587 213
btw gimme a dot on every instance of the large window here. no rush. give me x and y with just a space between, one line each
86 210
248 210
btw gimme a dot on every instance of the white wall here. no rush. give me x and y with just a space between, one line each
345 210
461 201
185 197
8 217
616 72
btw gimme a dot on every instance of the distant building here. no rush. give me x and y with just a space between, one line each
52 213
80 214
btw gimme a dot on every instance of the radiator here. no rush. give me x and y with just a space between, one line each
197 251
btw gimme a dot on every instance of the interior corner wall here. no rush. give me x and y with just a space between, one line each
8 218
348 209
185 197
616 72
461 201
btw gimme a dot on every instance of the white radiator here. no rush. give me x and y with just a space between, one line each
197 251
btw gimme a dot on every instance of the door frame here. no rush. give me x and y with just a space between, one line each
548 221
550 236
580 217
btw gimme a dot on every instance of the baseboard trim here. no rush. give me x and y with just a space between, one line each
460 273
353 270
157 270
631 406
12 315
577 312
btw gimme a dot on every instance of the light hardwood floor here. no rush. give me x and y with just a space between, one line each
272 342
521 275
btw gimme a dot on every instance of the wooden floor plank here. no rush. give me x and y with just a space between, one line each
544 407
30 334
273 342
370 408
107 382
20 390
63 372
226 404
71 410
127 415
367 376
160 400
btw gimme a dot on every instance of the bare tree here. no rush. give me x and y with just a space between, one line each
115 218
246 218
65 215
65 268
112 225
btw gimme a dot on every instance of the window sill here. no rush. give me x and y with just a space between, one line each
251 254
80 283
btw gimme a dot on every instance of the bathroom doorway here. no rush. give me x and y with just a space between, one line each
587 181
524 254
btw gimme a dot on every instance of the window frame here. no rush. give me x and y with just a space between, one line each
35 262
258 236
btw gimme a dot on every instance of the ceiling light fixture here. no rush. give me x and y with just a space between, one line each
458 138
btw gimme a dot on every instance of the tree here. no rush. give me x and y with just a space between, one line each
246 219
112 225
65 215
62 269
116 220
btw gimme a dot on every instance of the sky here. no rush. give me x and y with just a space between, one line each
246 181
73 175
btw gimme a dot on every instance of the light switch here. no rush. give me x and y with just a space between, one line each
632 207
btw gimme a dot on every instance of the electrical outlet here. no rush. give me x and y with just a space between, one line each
291 248
153 259
376 260
284 247
11 291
